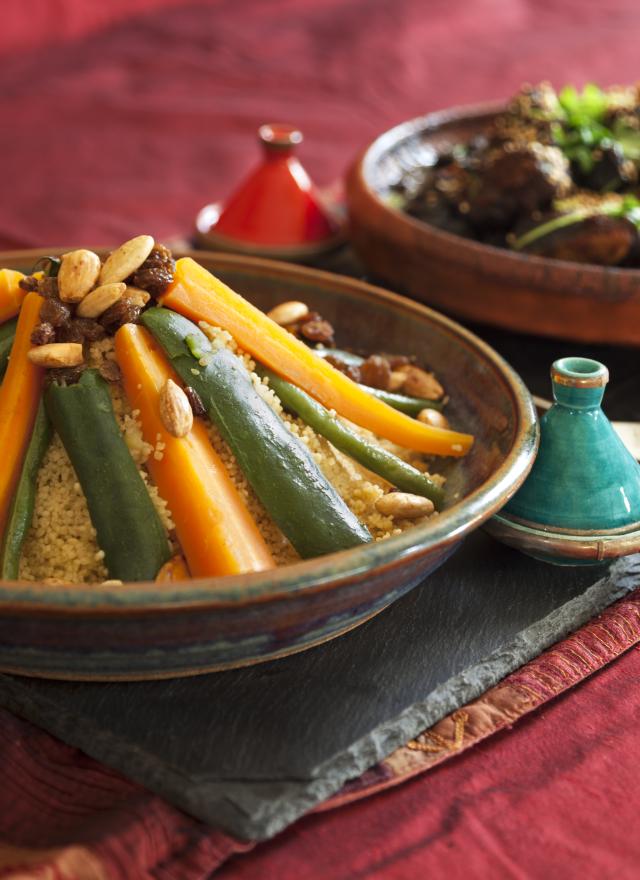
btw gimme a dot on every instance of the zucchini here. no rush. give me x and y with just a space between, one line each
396 471
129 529
7 332
402 402
21 511
281 470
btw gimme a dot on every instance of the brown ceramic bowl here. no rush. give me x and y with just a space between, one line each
471 280
152 630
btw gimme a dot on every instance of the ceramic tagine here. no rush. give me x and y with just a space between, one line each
581 502
277 211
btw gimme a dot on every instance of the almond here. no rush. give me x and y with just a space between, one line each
433 417
78 274
396 380
175 410
137 296
126 259
100 299
57 354
288 312
404 505
419 383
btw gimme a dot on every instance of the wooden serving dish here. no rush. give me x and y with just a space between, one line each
150 630
476 281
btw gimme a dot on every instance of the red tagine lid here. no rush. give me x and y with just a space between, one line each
276 211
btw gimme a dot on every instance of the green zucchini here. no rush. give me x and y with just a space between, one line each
409 405
279 467
21 511
369 455
7 332
129 529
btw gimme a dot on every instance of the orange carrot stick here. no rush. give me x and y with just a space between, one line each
173 570
19 398
11 294
201 296
215 530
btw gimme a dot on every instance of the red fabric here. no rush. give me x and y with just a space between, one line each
132 130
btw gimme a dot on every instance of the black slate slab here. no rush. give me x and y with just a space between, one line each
250 750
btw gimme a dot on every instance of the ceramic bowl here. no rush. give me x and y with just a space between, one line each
151 630
464 277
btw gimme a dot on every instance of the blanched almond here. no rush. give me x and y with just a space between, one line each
100 299
396 380
137 296
433 417
175 409
288 312
78 275
404 505
126 259
419 383
57 354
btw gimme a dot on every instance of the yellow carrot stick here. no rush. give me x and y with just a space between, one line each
19 398
215 529
201 296
11 294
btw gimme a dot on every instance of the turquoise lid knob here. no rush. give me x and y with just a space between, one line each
578 382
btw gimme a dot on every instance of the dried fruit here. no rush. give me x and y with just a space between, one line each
55 312
375 372
100 299
78 275
317 331
404 505
197 406
121 312
156 273
43 333
288 312
126 259
57 354
175 409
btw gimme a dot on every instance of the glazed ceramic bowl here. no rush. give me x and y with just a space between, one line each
466 278
152 630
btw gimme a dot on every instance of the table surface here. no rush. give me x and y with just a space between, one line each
134 125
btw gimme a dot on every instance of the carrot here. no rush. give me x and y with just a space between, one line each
215 530
173 570
20 394
11 294
201 296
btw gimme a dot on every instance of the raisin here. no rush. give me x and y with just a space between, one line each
90 329
350 370
48 287
69 332
110 371
317 331
43 333
55 312
156 273
197 406
28 283
376 372
65 375
122 312
396 360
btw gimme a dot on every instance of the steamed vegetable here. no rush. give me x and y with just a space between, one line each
375 458
200 296
129 529
11 294
19 398
214 527
280 469
7 333
21 512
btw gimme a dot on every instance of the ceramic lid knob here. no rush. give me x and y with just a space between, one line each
578 382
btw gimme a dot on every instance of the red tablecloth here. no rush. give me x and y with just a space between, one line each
131 128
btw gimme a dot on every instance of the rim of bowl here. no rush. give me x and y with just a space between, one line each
321 573
474 249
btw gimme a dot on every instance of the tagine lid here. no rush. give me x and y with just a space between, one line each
276 211
581 501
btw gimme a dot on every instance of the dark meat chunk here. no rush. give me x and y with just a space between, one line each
55 312
517 182
610 172
125 311
375 372
350 370
197 406
156 273
43 333
608 241
317 331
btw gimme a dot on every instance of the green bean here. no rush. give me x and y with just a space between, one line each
21 511
7 332
129 529
409 405
369 455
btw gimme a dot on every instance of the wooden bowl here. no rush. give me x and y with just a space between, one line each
476 281
152 630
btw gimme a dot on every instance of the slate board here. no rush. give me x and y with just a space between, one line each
250 750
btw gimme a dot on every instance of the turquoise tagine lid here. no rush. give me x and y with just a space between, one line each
581 502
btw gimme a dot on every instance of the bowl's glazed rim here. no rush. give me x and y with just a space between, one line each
431 122
321 573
